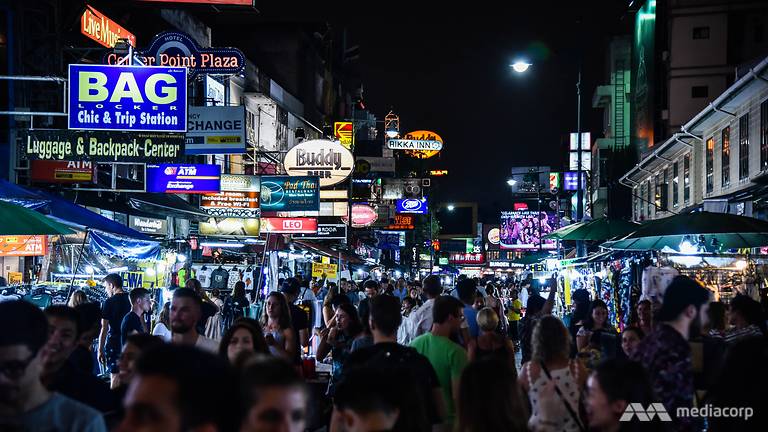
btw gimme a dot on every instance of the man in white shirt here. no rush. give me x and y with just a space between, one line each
420 319
185 313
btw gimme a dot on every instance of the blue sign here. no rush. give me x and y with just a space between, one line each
289 194
412 206
571 180
127 98
183 179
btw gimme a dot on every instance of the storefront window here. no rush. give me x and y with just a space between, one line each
744 147
726 157
675 185
710 161
764 135
649 199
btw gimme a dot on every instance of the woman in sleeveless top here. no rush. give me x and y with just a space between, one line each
551 369
489 343
276 324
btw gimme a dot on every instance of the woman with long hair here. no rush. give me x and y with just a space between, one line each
490 398
162 327
78 297
597 320
489 342
551 368
243 336
276 324
337 340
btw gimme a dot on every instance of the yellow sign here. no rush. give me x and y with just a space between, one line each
324 270
15 278
344 133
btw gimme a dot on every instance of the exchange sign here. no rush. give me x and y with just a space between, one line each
136 98
216 130
183 179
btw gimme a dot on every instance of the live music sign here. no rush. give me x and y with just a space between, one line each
103 30
289 225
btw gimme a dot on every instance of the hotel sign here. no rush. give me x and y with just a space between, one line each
103 30
420 144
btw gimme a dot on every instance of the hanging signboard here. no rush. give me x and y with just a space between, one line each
239 197
210 2
322 270
329 161
177 49
229 227
466 258
100 146
62 171
571 180
326 232
183 179
148 225
412 205
103 30
401 222
362 216
285 194
131 98
343 132
23 245
289 225
214 91
420 144
438 173
368 164
216 130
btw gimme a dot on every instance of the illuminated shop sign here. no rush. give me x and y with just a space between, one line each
101 146
103 30
329 161
130 98
183 179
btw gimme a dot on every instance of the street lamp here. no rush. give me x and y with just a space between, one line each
511 182
520 66
450 207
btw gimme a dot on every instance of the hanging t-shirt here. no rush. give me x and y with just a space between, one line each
182 278
219 278
204 276
235 276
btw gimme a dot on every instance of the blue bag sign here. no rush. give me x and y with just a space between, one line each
284 194
183 179
127 98
412 206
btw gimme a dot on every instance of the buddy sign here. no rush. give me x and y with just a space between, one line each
130 98
329 161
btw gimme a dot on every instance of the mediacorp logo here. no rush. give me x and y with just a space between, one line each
645 414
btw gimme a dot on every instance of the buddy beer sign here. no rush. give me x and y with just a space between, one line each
130 98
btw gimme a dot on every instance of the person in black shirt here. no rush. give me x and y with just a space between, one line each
59 373
134 322
84 357
207 307
299 319
387 355
112 313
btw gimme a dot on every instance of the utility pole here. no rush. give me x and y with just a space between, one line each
580 252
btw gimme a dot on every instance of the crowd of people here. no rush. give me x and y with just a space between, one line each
403 356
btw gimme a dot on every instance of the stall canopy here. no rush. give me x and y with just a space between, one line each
18 220
597 229
63 211
327 251
142 204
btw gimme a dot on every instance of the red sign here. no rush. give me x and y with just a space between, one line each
402 222
289 225
362 216
466 258
103 30
22 245
213 2
63 171
521 206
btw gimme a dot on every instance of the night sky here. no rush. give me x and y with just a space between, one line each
446 70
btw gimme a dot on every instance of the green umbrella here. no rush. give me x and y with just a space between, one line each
601 229
533 258
561 232
697 232
18 220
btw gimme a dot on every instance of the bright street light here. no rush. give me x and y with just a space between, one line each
511 182
450 207
520 66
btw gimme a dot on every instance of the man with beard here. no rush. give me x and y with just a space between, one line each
666 354
185 313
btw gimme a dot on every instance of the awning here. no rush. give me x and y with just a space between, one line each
326 251
142 204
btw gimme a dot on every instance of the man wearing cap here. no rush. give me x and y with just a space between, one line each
666 354
299 318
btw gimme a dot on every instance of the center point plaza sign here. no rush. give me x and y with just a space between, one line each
135 98
329 161
176 49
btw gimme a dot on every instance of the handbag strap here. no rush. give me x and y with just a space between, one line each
568 406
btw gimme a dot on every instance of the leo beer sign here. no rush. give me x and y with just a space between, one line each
45 171
289 225
128 98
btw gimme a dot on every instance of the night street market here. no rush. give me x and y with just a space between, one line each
257 216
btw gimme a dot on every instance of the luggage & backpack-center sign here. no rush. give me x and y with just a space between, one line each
101 146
